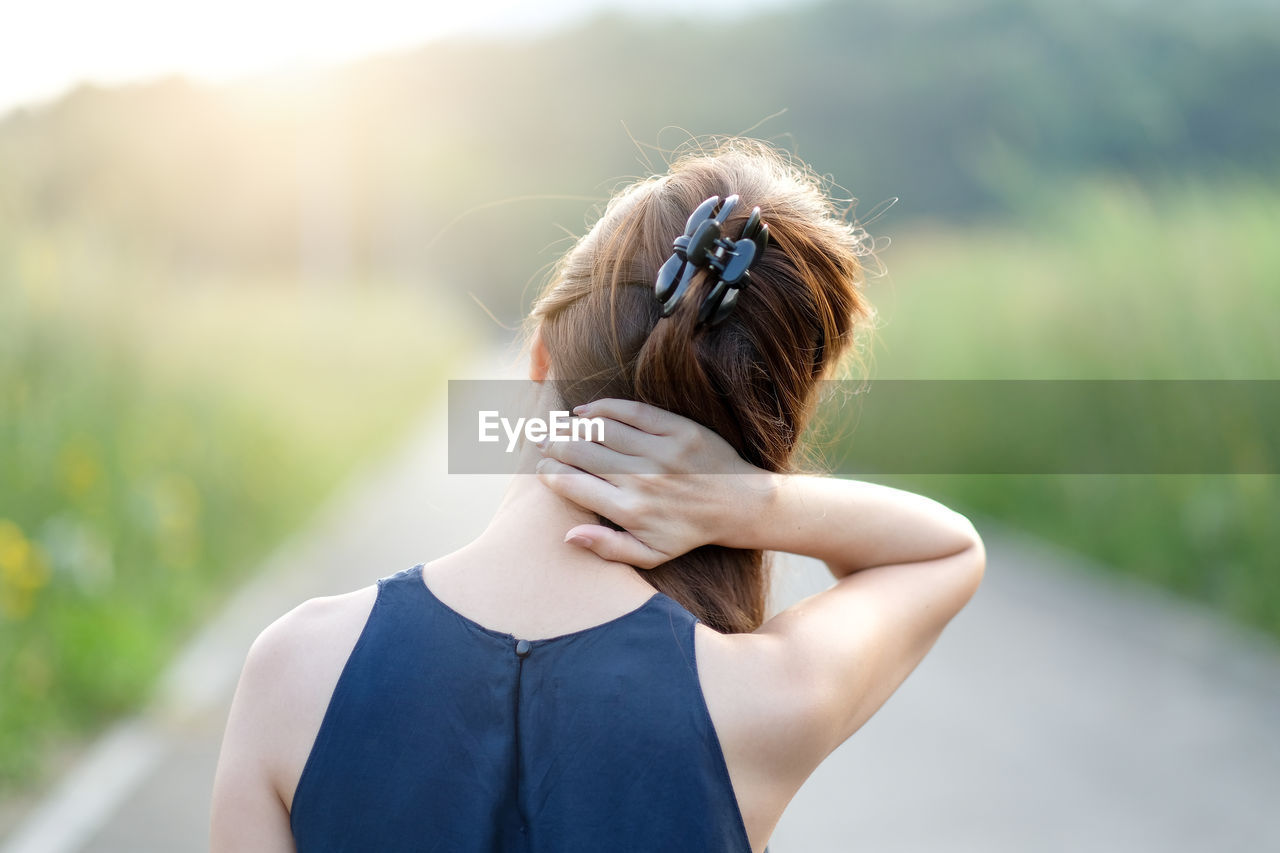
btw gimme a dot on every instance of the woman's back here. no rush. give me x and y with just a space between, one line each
387 717
446 733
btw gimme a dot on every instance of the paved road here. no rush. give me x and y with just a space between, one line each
1062 711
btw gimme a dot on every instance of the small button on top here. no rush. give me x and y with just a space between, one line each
523 647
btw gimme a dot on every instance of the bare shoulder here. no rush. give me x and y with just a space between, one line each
284 690
290 674
313 627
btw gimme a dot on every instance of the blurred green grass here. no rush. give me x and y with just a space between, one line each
1107 281
155 444
173 401
161 431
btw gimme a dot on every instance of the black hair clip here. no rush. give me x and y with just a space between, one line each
702 246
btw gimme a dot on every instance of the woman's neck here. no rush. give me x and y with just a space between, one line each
520 576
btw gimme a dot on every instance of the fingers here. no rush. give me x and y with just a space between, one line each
576 485
617 546
642 416
596 459
625 438
600 497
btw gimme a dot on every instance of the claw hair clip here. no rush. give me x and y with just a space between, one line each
702 246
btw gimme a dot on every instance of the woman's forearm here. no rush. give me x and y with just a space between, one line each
848 524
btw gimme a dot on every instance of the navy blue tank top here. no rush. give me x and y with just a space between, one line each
444 735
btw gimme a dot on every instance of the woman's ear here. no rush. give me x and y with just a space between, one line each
539 358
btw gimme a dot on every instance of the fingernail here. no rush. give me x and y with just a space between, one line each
579 410
541 444
577 539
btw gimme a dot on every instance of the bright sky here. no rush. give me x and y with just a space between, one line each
48 46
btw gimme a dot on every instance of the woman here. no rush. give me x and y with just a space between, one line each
595 671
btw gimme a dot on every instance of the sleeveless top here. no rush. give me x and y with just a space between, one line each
444 735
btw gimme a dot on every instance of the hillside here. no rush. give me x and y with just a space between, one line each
962 111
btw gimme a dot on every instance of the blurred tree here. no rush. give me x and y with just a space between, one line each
468 160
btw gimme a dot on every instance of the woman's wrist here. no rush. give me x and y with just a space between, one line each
751 504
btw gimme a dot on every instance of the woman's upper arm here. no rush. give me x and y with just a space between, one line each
247 812
848 648
285 687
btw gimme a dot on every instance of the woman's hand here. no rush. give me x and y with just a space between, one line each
904 564
673 484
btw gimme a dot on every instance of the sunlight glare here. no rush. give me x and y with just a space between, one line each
56 43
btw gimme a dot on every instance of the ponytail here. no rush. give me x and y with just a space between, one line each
753 377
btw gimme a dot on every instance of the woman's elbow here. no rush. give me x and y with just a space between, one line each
972 559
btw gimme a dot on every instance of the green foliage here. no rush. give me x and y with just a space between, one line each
1104 280
153 451
960 109
1111 283
196 284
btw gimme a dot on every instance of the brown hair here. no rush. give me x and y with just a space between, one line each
753 377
